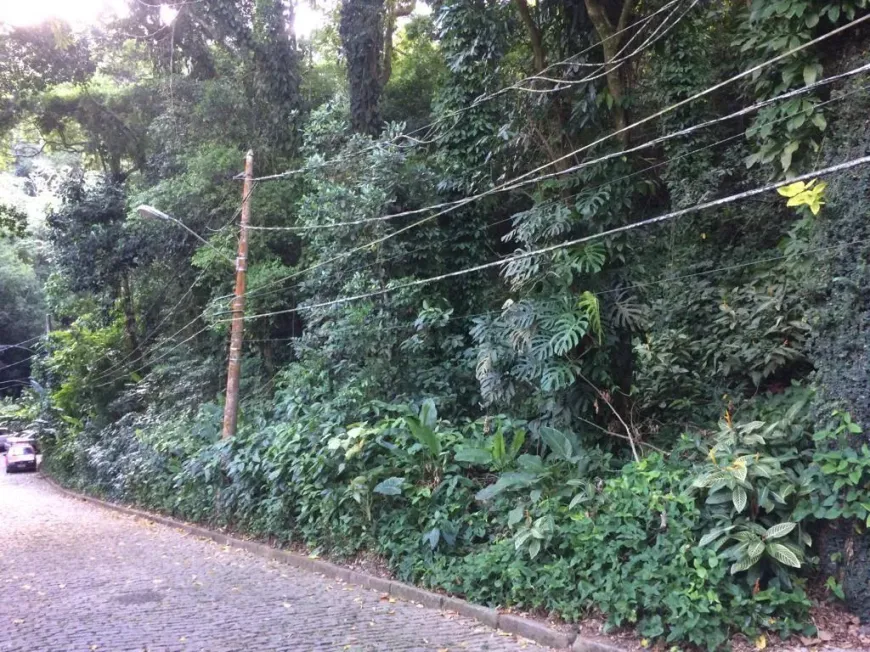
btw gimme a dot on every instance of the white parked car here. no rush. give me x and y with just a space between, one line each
21 457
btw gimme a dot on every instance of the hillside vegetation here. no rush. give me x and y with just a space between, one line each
572 337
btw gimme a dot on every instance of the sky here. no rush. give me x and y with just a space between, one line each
80 13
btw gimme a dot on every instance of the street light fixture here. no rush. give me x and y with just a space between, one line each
152 213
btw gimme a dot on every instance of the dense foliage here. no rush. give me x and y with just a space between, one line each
658 424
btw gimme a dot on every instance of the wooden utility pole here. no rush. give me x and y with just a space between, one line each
231 409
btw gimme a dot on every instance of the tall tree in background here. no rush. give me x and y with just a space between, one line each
362 40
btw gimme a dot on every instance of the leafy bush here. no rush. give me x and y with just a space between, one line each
687 548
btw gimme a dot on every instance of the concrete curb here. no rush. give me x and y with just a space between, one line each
529 629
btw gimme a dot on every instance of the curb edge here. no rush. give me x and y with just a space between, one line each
532 630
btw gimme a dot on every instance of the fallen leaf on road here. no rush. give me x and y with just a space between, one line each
183 639
825 635
287 605
761 642
443 649
18 621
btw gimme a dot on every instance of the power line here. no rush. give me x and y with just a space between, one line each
19 344
170 313
508 185
664 280
694 128
479 100
729 268
513 185
161 357
562 84
571 243
108 371
13 364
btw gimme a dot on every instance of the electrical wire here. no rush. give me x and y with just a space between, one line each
577 241
612 64
664 280
504 187
14 364
152 362
508 185
105 373
19 344
477 102
514 184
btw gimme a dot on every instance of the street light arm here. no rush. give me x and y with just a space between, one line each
153 213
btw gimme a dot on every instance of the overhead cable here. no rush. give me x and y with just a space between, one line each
577 241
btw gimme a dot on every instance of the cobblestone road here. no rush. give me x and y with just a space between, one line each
74 576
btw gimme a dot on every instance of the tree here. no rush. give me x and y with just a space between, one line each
362 40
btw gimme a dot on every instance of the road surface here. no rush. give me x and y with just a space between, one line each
74 576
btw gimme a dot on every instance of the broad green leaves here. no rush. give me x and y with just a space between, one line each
390 487
423 427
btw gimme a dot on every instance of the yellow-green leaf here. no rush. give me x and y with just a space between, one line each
792 190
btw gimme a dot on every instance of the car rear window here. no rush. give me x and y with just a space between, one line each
21 450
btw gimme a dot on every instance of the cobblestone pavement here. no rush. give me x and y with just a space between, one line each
74 576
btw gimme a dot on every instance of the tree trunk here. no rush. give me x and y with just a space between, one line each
362 39
611 45
534 35
129 313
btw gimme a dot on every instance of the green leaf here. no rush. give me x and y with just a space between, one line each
783 555
534 548
424 434
714 534
708 479
498 448
557 442
516 515
517 443
744 564
779 531
472 455
811 73
428 414
578 499
738 496
505 482
390 487
589 303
